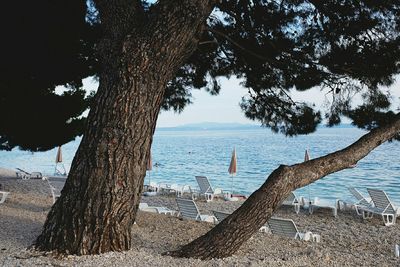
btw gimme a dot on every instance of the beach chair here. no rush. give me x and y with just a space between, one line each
287 228
188 210
164 188
153 187
381 206
56 185
324 203
361 200
180 189
24 175
293 200
4 195
160 210
206 189
220 216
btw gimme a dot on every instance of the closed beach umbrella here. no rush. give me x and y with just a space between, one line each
233 167
306 156
59 160
59 155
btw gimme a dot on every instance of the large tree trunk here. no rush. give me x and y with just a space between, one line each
98 204
227 237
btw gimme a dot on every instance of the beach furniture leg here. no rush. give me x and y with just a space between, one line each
310 209
388 219
316 238
367 214
297 208
209 197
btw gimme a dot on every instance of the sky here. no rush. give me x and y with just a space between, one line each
225 106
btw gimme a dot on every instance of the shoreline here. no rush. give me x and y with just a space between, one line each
345 240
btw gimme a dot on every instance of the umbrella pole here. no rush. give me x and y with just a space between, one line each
149 177
232 185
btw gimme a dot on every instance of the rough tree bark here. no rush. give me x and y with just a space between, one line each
227 237
139 56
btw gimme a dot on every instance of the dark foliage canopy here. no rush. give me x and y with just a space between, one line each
346 47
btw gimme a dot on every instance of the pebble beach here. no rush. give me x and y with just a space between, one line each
346 240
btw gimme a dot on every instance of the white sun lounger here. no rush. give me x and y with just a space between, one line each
180 189
293 200
24 175
220 215
324 203
164 188
188 210
206 189
153 187
381 206
160 210
4 195
361 200
287 228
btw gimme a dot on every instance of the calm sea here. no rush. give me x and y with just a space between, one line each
180 155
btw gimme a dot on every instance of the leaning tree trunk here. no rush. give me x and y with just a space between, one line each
99 201
227 237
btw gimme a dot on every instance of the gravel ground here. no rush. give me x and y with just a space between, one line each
345 240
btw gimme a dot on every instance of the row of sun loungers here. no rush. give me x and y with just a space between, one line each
379 202
284 227
154 188
189 210
205 190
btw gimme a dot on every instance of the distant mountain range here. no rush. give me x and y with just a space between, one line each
225 126
209 126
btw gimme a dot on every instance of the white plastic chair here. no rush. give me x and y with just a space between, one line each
287 228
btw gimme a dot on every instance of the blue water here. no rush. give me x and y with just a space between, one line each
184 154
